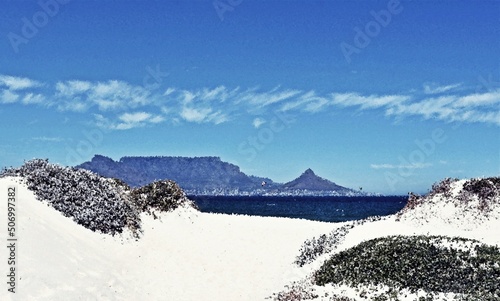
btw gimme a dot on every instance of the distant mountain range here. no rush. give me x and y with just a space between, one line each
210 176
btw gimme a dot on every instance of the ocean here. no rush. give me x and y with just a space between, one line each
326 209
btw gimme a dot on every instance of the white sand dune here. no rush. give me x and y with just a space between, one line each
187 255
437 216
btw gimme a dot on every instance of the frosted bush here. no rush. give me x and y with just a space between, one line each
97 203
313 248
160 195
430 263
100 204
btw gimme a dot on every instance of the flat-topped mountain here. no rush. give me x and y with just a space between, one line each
208 176
189 173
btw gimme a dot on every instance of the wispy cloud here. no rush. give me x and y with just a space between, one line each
18 83
433 88
368 102
13 89
128 121
257 122
439 108
31 98
477 107
479 99
134 117
202 115
73 87
48 139
7 96
75 95
401 166
219 93
119 102
308 101
259 99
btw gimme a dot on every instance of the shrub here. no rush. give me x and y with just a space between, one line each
429 263
442 187
315 247
163 196
96 203
487 190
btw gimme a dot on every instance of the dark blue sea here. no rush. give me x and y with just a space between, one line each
327 209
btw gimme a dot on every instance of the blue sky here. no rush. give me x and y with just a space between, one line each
390 96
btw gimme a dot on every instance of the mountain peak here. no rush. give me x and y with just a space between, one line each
101 158
310 181
309 172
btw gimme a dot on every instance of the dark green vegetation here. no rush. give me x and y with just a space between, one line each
311 249
99 204
435 264
161 195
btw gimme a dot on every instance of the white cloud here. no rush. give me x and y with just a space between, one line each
383 166
218 117
263 99
73 106
476 107
478 116
220 93
402 166
169 91
110 88
215 105
48 139
127 126
309 101
257 122
117 94
195 115
368 102
433 107
479 99
31 98
18 83
316 105
72 87
112 95
156 119
219 104
433 88
101 121
128 121
187 96
134 117
202 115
294 104
8 96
